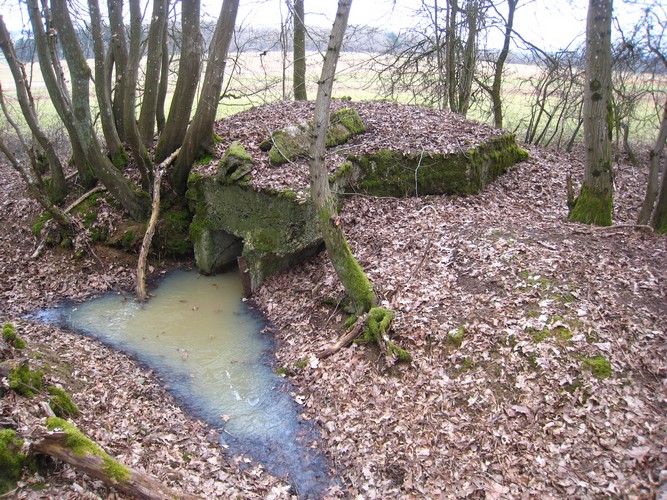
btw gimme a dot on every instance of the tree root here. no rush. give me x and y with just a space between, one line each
374 327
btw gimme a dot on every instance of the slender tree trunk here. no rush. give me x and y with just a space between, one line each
132 135
120 188
659 219
440 59
57 92
450 44
594 203
469 59
119 58
299 52
58 185
347 268
163 88
111 137
189 69
156 47
496 94
200 133
654 171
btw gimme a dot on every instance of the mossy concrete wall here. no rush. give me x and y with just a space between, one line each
271 230
398 174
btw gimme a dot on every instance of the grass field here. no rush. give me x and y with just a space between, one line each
253 79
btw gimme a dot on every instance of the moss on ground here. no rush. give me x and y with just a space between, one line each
61 403
598 365
11 460
455 337
25 381
9 335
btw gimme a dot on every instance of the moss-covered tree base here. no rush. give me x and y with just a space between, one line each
378 324
592 208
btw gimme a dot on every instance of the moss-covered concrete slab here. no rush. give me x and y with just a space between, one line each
394 173
292 142
271 229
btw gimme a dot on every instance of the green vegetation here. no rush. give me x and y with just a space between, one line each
378 324
83 446
61 403
455 337
25 381
598 365
9 335
11 460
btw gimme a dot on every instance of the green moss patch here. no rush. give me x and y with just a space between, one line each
83 446
455 337
25 381
61 403
11 459
9 335
598 365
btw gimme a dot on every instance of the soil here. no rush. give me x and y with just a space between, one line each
513 410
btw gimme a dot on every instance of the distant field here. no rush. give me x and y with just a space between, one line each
258 79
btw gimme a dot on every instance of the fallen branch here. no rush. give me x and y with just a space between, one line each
69 444
142 295
346 339
81 198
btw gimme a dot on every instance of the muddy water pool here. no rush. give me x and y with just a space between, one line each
208 347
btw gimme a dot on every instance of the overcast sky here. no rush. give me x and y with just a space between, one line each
550 24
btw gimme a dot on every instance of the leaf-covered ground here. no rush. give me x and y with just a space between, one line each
507 309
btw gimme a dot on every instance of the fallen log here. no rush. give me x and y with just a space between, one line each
67 443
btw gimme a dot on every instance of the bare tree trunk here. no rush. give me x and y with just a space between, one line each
156 47
53 79
299 52
119 57
594 203
440 60
163 88
659 219
189 68
132 135
111 137
450 52
496 95
200 133
58 186
654 171
347 268
119 187
141 292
